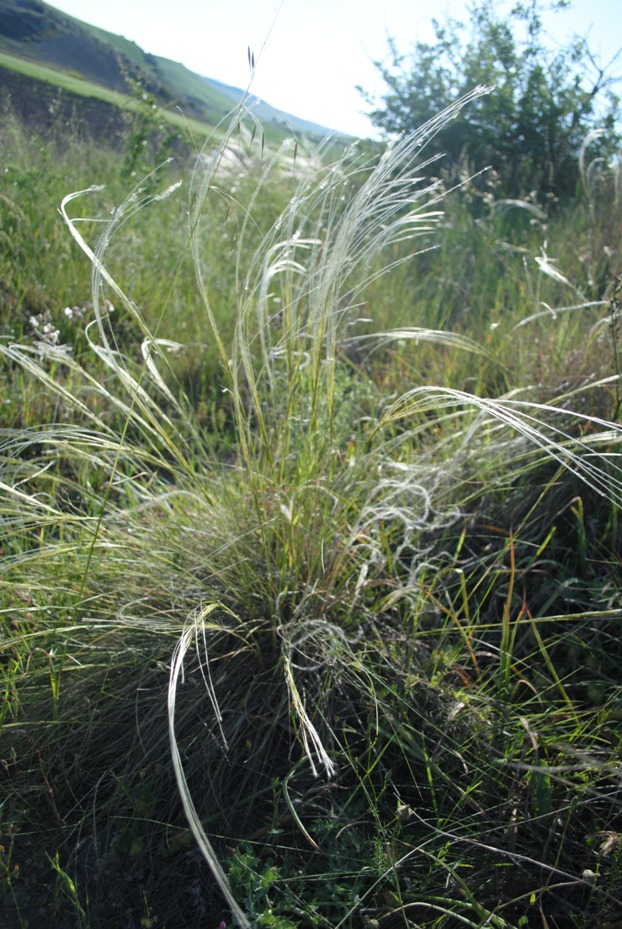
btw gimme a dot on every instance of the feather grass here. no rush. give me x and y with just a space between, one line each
281 596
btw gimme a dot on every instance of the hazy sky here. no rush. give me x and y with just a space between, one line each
310 54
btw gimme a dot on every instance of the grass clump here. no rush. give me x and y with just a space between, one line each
353 665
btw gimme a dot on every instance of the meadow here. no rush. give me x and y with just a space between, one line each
311 550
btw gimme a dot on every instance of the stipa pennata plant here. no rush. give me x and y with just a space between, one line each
345 649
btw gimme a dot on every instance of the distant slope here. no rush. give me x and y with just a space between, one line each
46 98
38 33
268 114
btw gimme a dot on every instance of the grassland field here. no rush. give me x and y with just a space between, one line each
310 532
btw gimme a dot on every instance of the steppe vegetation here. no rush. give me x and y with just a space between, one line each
310 599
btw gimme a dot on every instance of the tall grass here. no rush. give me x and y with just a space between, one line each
355 666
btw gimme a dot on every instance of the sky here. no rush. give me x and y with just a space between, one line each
310 55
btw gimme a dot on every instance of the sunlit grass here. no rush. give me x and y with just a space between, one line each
328 604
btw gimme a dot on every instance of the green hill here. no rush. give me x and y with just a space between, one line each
96 62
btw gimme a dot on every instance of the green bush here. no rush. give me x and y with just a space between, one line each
543 105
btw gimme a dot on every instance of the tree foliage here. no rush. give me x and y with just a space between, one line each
546 100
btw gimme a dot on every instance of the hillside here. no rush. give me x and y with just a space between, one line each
35 32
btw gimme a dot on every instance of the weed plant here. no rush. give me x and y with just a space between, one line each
350 658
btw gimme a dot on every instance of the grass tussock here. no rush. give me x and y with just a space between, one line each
311 557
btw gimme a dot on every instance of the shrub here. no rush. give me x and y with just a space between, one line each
544 104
